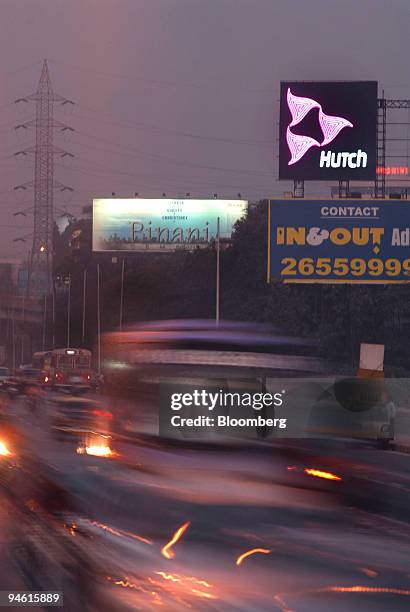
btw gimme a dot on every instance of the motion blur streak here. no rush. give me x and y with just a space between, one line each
368 572
188 583
203 594
361 589
99 451
126 584
165 551
320 474
279 598
120 533
282 604
264 551
4 451
179 578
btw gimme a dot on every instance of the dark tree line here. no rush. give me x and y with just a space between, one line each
182 285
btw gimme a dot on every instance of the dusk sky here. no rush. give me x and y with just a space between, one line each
179 96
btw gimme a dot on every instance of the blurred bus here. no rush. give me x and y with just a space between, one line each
64 367
137 361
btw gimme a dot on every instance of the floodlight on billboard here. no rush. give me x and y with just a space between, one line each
160 225
339 241
328 130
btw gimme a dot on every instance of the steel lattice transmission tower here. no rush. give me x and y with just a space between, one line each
40 273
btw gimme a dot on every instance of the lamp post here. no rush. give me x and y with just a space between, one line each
98 320
217 271
84 302
68 310
122 293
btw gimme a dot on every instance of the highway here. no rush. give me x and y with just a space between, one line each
314 549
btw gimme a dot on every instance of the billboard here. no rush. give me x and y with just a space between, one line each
327 130
160 225
339 241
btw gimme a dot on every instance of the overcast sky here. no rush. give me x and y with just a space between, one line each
178 96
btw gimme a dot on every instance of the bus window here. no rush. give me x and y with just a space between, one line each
65 361
82 361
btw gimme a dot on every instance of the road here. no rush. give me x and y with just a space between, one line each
317 548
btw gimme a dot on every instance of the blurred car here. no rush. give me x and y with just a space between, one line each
13 387
29 372
28 376
71 415
4 375
348 472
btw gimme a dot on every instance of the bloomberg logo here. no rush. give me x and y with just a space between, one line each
328 130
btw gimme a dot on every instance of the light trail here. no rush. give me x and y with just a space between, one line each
120 533
166 550
179 578
264 551
280 597
321 474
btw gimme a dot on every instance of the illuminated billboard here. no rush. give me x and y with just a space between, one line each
327 130
339 241
159 225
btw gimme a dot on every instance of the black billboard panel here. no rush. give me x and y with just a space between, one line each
327 130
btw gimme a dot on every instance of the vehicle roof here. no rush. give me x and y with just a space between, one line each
199 324
242 337
206 330
78 351
74 398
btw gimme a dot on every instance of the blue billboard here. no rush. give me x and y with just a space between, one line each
339 241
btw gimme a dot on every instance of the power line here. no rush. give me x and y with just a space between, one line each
141 126
157 157
175 84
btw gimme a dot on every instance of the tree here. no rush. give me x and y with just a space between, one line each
182 285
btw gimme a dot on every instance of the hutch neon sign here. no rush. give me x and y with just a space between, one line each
330 125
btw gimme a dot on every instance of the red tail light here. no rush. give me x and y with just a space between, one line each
102 413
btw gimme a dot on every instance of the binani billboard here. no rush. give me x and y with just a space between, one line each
339 241
328 130
160 225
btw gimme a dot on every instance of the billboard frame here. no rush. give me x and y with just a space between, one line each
271 280
366 138
134 225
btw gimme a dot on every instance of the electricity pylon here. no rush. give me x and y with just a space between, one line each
40 273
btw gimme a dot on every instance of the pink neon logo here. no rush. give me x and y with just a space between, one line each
330 126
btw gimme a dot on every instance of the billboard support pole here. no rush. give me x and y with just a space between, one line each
68 311
84 300
344 189
217 269
122 292
53 306
44 321
380 179
298 189
23 317
98 319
